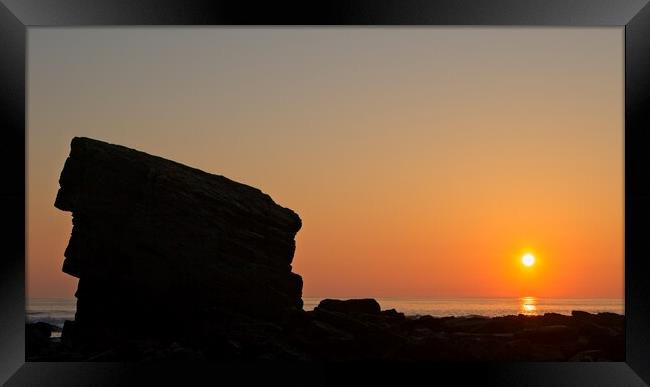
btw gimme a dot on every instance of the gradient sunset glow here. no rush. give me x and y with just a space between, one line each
423 162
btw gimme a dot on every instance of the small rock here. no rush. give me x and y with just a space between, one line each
361 305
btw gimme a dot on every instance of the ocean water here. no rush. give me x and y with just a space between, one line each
51 310
491 307
56 310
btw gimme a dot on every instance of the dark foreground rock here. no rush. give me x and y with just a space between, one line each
166 251
350 335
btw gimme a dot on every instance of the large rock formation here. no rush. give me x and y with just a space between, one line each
165 250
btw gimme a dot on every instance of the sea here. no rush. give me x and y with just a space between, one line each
56 310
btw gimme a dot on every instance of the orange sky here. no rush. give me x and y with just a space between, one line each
423 161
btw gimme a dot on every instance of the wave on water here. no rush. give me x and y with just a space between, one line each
56 322
53 311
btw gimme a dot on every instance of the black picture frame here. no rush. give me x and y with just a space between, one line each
17 16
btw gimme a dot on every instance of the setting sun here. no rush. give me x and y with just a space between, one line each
528 259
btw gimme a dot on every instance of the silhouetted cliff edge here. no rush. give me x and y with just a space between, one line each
172 251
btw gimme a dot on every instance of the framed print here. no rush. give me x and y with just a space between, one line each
325 193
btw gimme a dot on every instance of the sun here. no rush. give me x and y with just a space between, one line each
528 259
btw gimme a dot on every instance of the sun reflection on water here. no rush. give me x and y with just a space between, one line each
528 306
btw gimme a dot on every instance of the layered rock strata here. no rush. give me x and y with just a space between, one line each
165 250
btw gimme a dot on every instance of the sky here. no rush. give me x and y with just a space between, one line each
424 162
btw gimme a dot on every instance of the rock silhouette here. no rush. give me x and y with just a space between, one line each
165 250
348 334
363 305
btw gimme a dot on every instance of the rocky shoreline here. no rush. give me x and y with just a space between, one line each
357 330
